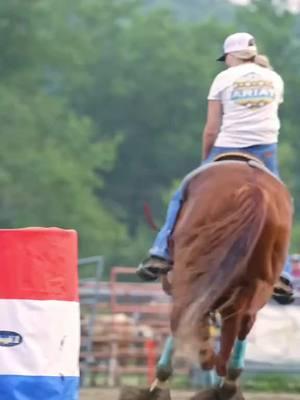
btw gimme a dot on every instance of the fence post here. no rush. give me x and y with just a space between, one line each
150 347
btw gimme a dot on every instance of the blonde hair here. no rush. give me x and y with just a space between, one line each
251 55
263 61
245 55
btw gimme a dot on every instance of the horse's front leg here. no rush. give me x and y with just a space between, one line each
206 352
164 367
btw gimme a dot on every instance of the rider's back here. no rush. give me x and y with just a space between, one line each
250 96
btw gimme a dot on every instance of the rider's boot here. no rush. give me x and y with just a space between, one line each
283 291
152 267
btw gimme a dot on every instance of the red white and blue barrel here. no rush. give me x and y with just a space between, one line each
39 314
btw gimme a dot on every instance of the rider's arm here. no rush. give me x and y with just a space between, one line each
212 126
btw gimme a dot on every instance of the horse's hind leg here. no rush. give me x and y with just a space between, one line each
250 301
229 332
230 385
228 390
237 360
261 293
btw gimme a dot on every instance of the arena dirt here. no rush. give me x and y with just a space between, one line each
105 394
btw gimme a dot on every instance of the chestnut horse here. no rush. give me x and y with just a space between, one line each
229 247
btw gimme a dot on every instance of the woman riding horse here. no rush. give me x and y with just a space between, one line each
242 117
229 247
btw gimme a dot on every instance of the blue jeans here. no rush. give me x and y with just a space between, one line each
266 153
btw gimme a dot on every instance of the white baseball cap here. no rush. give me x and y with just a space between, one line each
240 41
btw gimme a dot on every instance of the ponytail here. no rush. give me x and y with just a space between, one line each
263 61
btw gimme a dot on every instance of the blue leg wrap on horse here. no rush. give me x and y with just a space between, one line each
238 357
209 378
166 357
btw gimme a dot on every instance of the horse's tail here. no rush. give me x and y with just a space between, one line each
231 243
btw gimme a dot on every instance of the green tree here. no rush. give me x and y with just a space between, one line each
51 160
196 10
103 105
150 85
48 165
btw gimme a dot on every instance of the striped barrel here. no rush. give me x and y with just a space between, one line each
39 314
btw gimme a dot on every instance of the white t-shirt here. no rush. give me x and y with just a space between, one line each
250 95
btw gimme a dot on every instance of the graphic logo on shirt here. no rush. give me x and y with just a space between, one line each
10 339
253 92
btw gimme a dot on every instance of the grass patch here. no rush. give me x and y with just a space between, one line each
272 382
262 382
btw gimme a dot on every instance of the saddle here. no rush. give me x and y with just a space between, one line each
238 156
251 160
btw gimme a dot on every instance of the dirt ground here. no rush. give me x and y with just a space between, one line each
106 394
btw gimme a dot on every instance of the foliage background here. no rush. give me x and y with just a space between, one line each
102 105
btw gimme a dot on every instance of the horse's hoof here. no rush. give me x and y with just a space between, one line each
223 393
130 393
164 373
209 394
230 391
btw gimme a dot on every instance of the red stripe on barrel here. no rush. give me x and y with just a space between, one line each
38 264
